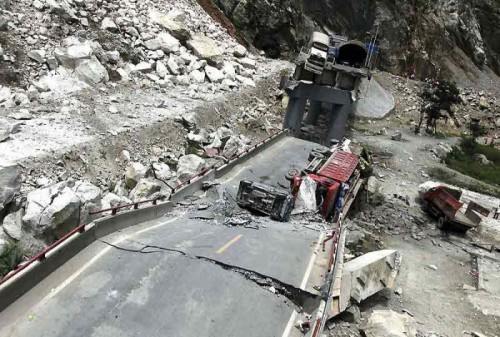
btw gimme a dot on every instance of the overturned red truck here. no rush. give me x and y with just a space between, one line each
335 170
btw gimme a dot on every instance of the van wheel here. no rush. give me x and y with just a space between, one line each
313 155
441 222
292 173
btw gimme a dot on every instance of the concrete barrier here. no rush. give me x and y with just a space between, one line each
193 187
228 167
122 220
26 279
29 277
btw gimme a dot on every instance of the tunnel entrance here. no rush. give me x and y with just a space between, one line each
352 54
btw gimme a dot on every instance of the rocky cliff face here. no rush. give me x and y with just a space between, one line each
458 37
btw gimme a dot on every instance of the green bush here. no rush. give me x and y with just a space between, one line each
463 160
12 256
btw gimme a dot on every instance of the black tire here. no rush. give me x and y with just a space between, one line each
313 155
291 174
321 149
441 222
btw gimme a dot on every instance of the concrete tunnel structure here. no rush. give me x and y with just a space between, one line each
333 87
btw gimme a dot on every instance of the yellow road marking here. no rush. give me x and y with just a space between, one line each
227 245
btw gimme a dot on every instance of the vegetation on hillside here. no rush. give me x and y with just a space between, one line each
11 257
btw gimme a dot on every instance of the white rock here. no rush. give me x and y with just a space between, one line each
204 48
240 51
12 225
189 166
245 81
175 27
233 146
37 55
197 76
38 5
168 43
382 323
5 94
248 63
152 44
144 67
162 171
135 171
69 56
173 67
145 189
214 74
161 69
229 71
109 25
91 71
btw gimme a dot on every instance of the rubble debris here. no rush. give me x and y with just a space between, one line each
383 323
397 136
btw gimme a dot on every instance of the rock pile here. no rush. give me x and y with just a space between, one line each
80 43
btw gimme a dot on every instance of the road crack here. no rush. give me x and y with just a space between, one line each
303 300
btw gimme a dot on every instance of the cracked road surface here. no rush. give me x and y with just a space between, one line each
183 277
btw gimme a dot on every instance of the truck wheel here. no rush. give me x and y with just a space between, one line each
441 222
321 149
313 155
292 173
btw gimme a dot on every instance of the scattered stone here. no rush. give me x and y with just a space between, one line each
168 43
109 25
204 48
397 136
248 63
22 115
70 56
161 171
161 69
245 81
135 171
214 74
383 323
432 266
482 159
240 51
92 71
10 185
12 225
37 55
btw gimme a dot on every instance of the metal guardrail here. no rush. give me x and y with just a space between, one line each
41 256
114 210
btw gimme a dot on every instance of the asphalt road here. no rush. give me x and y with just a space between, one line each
179 276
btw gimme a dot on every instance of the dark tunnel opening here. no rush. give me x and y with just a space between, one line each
352 54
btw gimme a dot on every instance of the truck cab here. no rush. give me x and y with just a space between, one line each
313 56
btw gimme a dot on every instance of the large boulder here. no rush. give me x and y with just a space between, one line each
233 146
376 102
168 43
5 94
52 211
205 48
145 189
171 24
92 71
90 197
70 56
387 323
189 166
135 171
10 185
161 171
12 225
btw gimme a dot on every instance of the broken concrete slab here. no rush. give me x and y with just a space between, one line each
369 274
374 102
387 323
